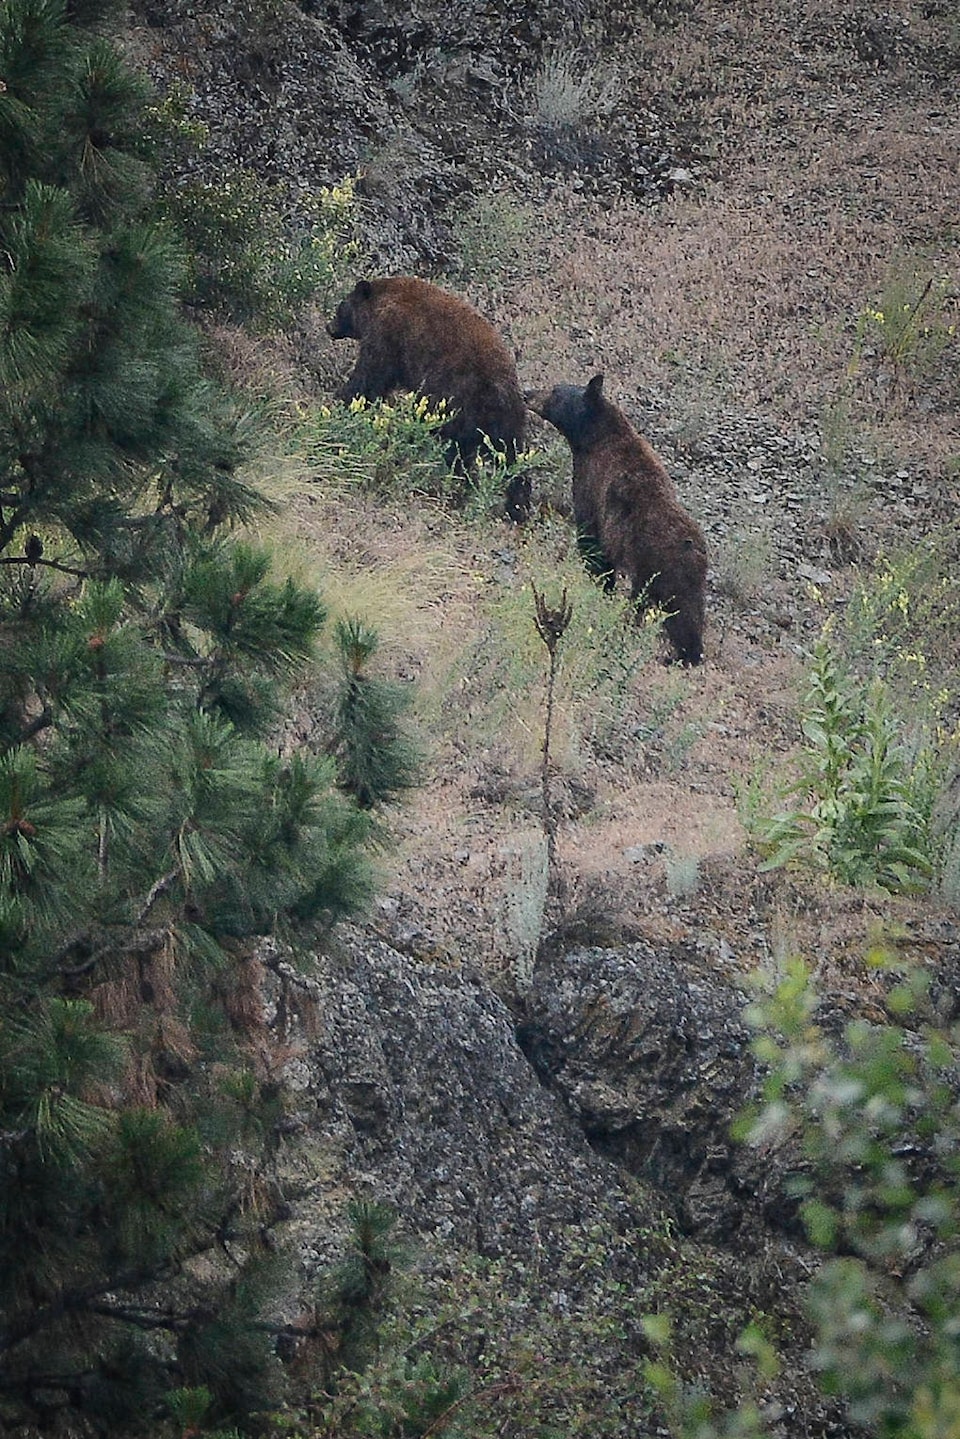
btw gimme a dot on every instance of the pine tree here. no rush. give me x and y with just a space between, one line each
147 827
376 757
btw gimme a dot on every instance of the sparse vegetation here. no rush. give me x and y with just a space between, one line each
914 322
903 620
743 564
682 873
605 650
866 789
494 238
434 1365
570 91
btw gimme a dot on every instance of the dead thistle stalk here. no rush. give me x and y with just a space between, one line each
551 625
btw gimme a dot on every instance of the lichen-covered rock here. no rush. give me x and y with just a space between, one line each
649 1051
425 102
409 1083
406 1083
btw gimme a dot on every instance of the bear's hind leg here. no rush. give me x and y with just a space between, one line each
519 497
595 558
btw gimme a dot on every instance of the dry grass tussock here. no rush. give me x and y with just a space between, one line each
408 570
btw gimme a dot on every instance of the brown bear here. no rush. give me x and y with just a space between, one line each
414 336
629 520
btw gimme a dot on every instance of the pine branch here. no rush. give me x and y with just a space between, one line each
27 1384
143 1319
28 465
75 1301
43 720
136 943
82 1300
141 943
45 564
9 527
175 1323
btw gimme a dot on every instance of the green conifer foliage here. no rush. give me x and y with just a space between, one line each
376 758
147 827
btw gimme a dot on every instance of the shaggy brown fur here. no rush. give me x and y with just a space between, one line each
629 520
414 336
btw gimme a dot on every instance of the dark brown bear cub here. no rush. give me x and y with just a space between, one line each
414 336
629 520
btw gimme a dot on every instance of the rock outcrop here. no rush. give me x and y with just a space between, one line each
598 1125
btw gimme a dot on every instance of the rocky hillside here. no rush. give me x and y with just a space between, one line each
432 104
709 207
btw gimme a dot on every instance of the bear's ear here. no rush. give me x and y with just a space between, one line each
595 389
364 290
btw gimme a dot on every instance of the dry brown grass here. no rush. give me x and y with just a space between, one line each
834 176
748 295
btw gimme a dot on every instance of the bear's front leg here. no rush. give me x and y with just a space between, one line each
366 382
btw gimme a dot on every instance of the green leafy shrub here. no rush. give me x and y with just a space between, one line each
492 237
870 1118
904 616
875 1113
252 257
866 789
170 131
393 449
912 325
390 447
255 255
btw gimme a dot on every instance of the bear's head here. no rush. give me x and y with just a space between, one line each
347 319
572 409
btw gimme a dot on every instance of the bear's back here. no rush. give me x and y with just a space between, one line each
436 324
443 348
616 449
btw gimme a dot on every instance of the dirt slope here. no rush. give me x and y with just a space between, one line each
729 322
711 206
743 190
